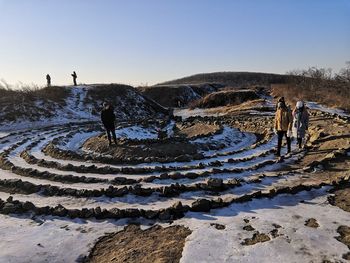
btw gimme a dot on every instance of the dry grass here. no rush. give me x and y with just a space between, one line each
329 93
223 98
29 94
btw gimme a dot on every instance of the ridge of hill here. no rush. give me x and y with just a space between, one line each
229 78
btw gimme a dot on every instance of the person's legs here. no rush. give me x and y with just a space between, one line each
299 142
279 142
108 131
288 143
113 134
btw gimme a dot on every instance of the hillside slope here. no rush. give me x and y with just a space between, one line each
80 103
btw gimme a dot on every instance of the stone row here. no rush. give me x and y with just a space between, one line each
176 211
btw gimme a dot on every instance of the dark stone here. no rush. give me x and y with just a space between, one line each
132 212
164 214
201 205
28 206
11 208
150 214
73 213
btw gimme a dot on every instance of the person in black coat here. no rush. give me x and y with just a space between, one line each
107 118
74 75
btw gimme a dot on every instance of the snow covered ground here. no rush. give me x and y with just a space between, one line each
295 243
29 238
316 106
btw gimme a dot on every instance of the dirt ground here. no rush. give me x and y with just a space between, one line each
152 149
199 129
155 244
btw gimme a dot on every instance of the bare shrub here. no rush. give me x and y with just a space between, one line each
318 85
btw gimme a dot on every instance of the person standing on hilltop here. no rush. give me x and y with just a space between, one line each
300 122
283 123
48 80
74 75
108 118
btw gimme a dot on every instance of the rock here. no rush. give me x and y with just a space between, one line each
28 206
191 175
233 182
59 210
177 206
73 213
164 214
248 228
218 226
201 205
215 183
169 191
150 214
132 212
11 208
346 256
87 213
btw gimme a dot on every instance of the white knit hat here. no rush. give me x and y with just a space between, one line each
300 104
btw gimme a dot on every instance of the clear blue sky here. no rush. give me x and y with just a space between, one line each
149 41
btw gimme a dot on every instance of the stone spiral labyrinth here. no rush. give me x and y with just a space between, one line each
50 172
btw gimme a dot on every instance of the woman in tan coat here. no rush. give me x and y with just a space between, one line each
283 124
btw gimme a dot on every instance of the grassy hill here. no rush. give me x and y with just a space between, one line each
234 79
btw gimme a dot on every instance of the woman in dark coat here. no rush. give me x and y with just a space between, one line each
108 118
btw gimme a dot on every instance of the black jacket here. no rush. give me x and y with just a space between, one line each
108 117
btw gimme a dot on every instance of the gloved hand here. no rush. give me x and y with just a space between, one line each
274 131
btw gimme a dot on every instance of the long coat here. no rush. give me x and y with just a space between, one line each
300 122
283 119
108 117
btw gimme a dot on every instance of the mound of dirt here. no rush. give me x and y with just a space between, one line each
155 244
143 149
128 102
227 97
178 95
31 104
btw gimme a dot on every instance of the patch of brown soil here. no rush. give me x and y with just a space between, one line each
341 199
159 149
257 238
312 222
218 226
199 129
344 232
155 244
248 228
